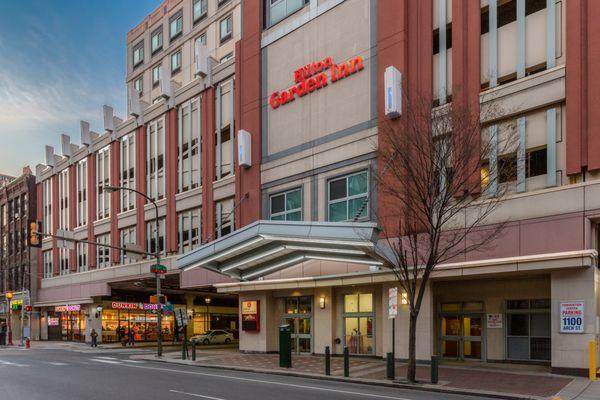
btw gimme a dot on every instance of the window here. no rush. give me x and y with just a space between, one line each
536 162
225 217
528 329
287 206
226 28
47 205
348 197
138 85
138 54
82 259
127 236
102 252
156 75
221 2
63 199
82 183
224 140
176 62
151 236
155 168
226 57
189 229
156 42
200 9
281 9
202 39
189 150
442 52
176 25
102 180
127 171
64 261
48 268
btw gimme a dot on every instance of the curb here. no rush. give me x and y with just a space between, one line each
373 382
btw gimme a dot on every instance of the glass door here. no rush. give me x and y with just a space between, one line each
461 331
358 335
299 317
471 337
450 336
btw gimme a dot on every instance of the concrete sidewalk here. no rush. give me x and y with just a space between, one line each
502 381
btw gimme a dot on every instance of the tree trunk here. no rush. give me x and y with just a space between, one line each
411 371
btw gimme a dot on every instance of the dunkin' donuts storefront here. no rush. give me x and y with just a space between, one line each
119 318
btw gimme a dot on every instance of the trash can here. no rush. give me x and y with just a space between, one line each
285 346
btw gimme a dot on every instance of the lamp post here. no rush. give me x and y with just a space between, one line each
9 296
206 323
159 310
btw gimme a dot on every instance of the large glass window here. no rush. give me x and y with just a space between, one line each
151 236
176 25
82 183
155 168
156 75
359 320
226 28
156 42
298 314
189 229
224 134
47 205
225 217
128 171
528 334
127 236
103 180
190 134
63 258
348 197
103 252
138 54
63 199
82 257
48 267
287 206
138 85
200 9
176 62
281 9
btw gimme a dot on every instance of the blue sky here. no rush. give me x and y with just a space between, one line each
60 61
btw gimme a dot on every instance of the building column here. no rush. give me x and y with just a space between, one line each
73 213
171 180
208 164
54 215
39 212
323 320
115 172
91 211
140 185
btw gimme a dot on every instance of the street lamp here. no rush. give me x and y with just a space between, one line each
111 189
9 296
206 322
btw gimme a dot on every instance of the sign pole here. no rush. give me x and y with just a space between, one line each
394 339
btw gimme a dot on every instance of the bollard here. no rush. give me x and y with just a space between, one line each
435 363
27 343
391 370
346 362
193 351
593 364
327 361
183 352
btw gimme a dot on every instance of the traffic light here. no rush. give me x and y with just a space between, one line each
28 308
35 228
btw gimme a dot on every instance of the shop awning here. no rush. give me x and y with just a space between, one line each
265 247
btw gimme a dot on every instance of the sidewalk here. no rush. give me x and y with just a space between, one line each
503 380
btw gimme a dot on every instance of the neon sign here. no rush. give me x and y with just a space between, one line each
313 77
73 307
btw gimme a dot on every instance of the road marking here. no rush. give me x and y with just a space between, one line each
135 361
378 396
105 361
107 358
58 364
196 395
13 364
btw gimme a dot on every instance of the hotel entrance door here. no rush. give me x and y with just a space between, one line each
461 332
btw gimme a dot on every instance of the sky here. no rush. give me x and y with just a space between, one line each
60 61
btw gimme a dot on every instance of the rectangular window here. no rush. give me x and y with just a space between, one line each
156 42
224 140
127 237
102 252
64 261
176 25
138 54
190 148
63 199
127 171
103 180
225 217
537 162
281 9
48 268
226 57
155 150
82 184
528 335
47 204
82 257
176 62
226 28
200 9
189 229
348 197
156 75
287 206
151 236
138 85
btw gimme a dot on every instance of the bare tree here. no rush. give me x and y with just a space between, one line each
438 180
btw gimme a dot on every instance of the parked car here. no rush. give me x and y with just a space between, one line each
216 336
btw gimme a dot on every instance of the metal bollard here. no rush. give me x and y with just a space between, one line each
327 361
194 351
183 350
346 362
435 364
593 361
391 368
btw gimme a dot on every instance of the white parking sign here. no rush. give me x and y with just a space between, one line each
572 316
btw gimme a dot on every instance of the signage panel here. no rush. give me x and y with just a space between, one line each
494 321
572 317
71 307
393 303
251 315
52 321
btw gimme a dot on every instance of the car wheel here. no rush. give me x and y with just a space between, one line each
227 341
206 341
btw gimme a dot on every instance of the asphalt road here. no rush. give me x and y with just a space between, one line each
65 374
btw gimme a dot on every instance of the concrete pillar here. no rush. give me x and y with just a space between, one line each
267 339
322 320
189 304
93 322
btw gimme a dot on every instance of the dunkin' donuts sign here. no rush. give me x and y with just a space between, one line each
313 77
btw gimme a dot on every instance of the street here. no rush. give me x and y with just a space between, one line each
51 374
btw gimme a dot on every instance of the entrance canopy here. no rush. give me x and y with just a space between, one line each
265 247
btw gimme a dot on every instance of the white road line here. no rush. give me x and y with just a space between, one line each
13 364
107 358
58 364
135 361
106 361
196 395
378 396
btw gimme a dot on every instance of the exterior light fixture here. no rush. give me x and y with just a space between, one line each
98 311
9 295
322 302
207 300
404 299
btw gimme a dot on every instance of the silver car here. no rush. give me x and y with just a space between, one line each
216 336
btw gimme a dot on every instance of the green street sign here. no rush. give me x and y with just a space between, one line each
158 269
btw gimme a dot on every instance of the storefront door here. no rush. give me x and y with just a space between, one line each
359 323
299 317
461 331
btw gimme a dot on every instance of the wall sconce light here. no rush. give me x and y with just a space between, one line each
322 302
98 311
404 298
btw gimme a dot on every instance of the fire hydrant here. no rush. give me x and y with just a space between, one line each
27 343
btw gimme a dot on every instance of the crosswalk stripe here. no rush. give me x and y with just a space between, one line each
106 361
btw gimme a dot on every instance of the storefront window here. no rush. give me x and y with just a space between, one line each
117 323
359 323
298 314
528 329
